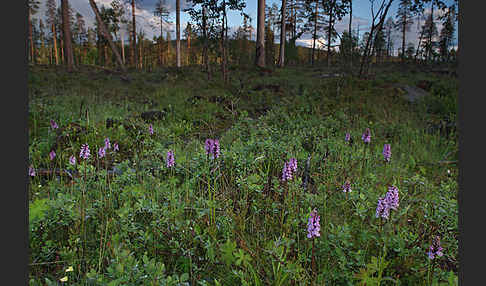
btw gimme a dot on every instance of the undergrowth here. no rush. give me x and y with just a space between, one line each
126 218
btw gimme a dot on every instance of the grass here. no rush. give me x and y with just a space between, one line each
232 221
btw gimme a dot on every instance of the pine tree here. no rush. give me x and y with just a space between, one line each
33 6
316 22
404 21
388 30
447 34
79 36
42 37
162 12
178 33
379 45
429 30
283 23
260 41
335 9
189 35
51 19
66 23
133 33
169 48
269 46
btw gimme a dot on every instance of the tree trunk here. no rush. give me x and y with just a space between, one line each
404 27
189 54
205 49
294 17
429 50
260 42
329 38
161 42
178 33
167 57
85 52
105 50
366 53
42 49
122 41
67 35
140 48
101 60
106 34
50 55
418 46
281 61
315 33
54 38
134 36
351 48
223 44
31 41
61 40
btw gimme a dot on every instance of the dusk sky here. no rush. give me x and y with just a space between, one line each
361 17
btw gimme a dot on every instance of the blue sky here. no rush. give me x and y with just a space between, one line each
361 16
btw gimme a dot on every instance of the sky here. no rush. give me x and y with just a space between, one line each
144 12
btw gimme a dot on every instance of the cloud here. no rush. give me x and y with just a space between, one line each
343 25
170 4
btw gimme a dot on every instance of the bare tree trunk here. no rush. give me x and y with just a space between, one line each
281 61
67 35
168 51
205 49
42 49
418 46
54 38
99 47
105 50
223 44
294 18
329 38
221 47
31 41
106 34
178 33
366 54
140 50
260 42
404 27
160 42
429 50
61 40
122 45
315 33
85 52
188 48
134 37
226 48
351 48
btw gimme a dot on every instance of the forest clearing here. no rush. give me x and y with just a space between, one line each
234 160
131 214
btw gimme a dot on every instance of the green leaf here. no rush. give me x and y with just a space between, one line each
452 279
37 210
227 252
210 251
184 277
412 162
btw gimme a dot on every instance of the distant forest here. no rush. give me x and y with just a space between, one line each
62 37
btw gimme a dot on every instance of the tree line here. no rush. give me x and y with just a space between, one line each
62 37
